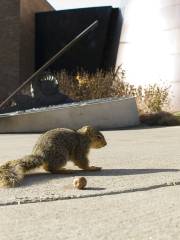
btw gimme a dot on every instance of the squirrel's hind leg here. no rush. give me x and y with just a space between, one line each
56 165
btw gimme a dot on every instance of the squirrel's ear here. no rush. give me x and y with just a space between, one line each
86 129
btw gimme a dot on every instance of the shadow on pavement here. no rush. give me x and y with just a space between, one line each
121 172
37 178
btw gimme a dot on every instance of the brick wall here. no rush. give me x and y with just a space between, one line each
9 46
17 26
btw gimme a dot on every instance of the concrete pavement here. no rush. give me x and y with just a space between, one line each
135 196
150 215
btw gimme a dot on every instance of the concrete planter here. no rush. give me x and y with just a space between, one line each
103 114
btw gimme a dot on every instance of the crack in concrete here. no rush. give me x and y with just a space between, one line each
54 198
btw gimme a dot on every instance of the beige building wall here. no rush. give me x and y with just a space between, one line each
149 47
17 41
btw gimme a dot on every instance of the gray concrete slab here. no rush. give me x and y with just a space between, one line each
134 160
124 113
150 215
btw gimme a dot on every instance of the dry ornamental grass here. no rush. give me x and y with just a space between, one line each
85 86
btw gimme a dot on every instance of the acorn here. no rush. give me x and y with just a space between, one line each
80 182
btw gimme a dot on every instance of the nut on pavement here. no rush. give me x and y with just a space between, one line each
80 182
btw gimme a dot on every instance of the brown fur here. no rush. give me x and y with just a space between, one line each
52 151
159 119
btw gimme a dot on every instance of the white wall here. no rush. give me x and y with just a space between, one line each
150 44
70 4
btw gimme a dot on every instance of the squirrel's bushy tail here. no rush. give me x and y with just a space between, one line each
12 172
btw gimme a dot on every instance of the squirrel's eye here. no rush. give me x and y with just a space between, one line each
99 136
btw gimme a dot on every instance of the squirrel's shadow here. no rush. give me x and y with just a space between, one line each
37 178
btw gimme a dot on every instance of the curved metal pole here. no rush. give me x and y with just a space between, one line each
53 59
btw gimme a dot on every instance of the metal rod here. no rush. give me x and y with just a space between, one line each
53 59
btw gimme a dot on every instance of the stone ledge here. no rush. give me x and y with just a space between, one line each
104 114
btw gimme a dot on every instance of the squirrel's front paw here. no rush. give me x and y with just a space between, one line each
93 168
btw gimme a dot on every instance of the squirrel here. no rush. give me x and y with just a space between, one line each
52 151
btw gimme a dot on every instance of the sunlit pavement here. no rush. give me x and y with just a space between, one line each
135 196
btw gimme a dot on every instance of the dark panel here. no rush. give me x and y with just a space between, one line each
112 40
97 50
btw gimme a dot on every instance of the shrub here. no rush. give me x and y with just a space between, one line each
85 86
